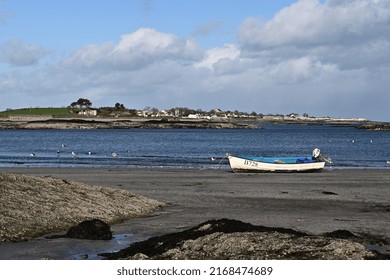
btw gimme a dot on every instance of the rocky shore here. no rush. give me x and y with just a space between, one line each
227 239
33 206
50 122
377 126
95 123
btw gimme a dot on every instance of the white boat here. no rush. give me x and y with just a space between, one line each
316 162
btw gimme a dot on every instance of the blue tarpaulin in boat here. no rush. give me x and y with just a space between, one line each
289 160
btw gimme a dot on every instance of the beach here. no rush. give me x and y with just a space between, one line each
356 200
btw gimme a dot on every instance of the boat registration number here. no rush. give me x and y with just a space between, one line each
251 163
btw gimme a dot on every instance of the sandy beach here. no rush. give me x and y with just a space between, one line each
355 200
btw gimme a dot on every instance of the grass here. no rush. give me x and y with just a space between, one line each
37 111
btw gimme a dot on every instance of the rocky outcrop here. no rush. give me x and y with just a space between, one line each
34 206
378 126
120 124
231 239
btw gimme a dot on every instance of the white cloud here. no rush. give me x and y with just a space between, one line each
308 24
90 56
18 53
300 70
215 55
135 51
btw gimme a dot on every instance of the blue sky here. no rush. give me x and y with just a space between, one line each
318 57
71 24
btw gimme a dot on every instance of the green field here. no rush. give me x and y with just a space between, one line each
37 111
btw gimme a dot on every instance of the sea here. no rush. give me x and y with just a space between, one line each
348 146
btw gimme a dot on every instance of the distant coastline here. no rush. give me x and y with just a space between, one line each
55 122
115 123
81 115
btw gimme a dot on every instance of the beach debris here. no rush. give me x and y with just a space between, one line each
92 229
84 256
329 193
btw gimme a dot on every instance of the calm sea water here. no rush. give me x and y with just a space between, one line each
190 148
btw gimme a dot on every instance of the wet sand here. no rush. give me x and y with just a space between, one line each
355 200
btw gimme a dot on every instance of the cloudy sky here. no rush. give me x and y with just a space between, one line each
324 58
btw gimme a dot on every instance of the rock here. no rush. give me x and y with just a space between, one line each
32 206
233 240
381 126
93 229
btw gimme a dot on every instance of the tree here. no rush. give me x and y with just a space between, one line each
82 102
119 106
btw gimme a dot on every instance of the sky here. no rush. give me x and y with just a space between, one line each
322 58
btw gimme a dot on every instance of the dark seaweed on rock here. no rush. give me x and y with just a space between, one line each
202 242
160 244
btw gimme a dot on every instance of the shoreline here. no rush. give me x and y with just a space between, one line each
76 122
313 203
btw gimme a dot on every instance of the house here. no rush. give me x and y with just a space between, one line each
88 112
194 116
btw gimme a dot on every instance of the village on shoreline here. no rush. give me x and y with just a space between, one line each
81 115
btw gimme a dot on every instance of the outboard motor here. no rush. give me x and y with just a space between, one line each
316 153
319 157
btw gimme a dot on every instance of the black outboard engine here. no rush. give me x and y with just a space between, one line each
317 156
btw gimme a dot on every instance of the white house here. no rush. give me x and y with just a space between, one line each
88 112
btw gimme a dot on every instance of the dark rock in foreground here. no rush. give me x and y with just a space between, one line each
93 229
231 239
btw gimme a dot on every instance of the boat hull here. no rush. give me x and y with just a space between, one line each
239 164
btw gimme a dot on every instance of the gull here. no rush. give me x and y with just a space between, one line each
32 155
114 154
74 154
